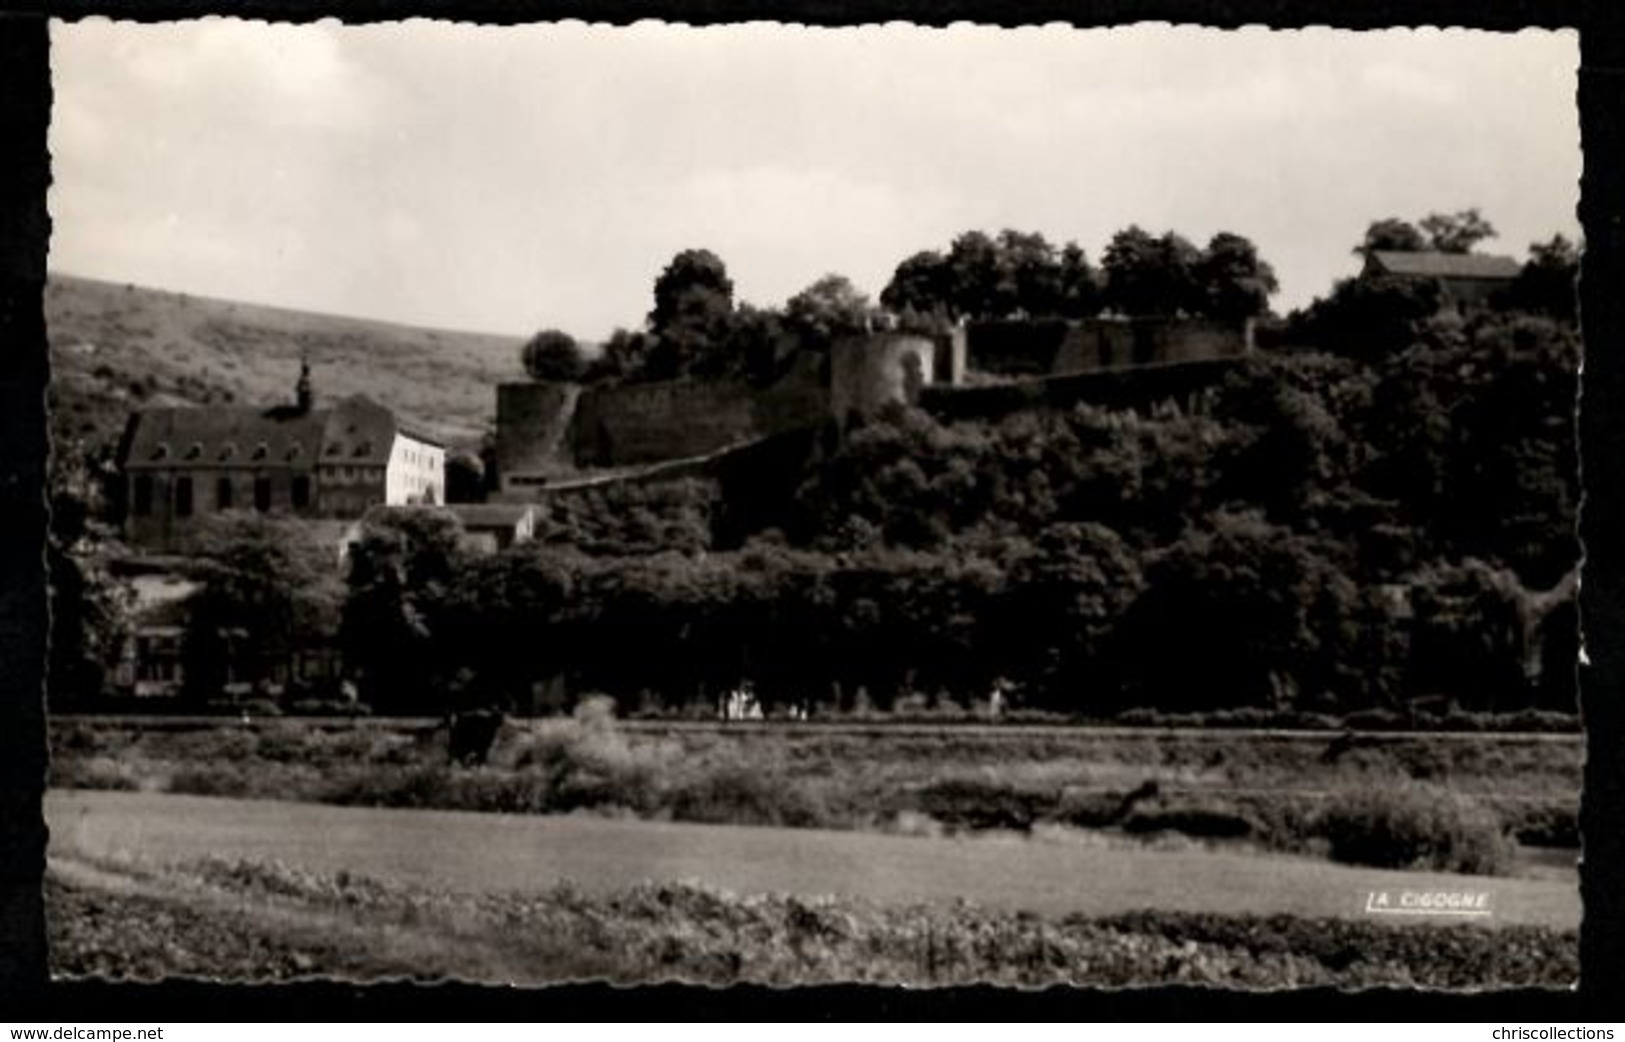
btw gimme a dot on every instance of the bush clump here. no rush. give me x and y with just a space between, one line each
737 794
1414 826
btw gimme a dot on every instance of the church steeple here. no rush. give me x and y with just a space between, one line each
304 394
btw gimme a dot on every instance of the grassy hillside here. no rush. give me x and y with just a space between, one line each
115 348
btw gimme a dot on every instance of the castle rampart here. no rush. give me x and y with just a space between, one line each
1059 347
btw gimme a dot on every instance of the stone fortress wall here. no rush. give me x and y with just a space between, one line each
1061 348
548 433
628 424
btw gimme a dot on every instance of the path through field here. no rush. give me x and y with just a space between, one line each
468 852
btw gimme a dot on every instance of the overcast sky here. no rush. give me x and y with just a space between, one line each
510 179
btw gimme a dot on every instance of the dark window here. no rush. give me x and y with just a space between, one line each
301 492
183 497
222 494
262 494
143 495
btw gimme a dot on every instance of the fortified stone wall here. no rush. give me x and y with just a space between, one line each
1053 348
645 422
533 422
673 419
547 431
867 372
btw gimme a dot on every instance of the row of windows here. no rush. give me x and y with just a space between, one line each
225 495
227 451
340 474
294 451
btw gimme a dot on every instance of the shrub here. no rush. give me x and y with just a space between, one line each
985 803
587 761
1544 824
1091 809
92 772
739 794
1414 826
420 786
1199 822
212 780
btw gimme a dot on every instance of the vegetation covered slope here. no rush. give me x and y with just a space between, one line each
116 347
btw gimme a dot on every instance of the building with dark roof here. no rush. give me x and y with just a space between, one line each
1466 279
184 464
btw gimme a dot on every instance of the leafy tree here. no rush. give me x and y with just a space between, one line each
973 274
1457 232
693 306
1013 274
495 619
625 356
1027 276
1236 282
921 284
1469 637
1546 284
1079 284
465 477
829 308
1152 275
1284 450
1391 235
402 573
624 520
1367 318
89 606
1238 613
758 343
553 355
268 588
694 286
1065 599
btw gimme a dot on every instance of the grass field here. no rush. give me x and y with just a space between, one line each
146 885
115 348
1263 790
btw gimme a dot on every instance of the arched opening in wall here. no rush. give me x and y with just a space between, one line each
262 494
301 492
223 494
183 497
913 377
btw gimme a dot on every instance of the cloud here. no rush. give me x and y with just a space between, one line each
501 178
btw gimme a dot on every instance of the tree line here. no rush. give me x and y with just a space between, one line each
1360 524
1325 536
697 328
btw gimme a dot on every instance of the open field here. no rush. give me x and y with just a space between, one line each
146 885
115 348
1054 875
1267 790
